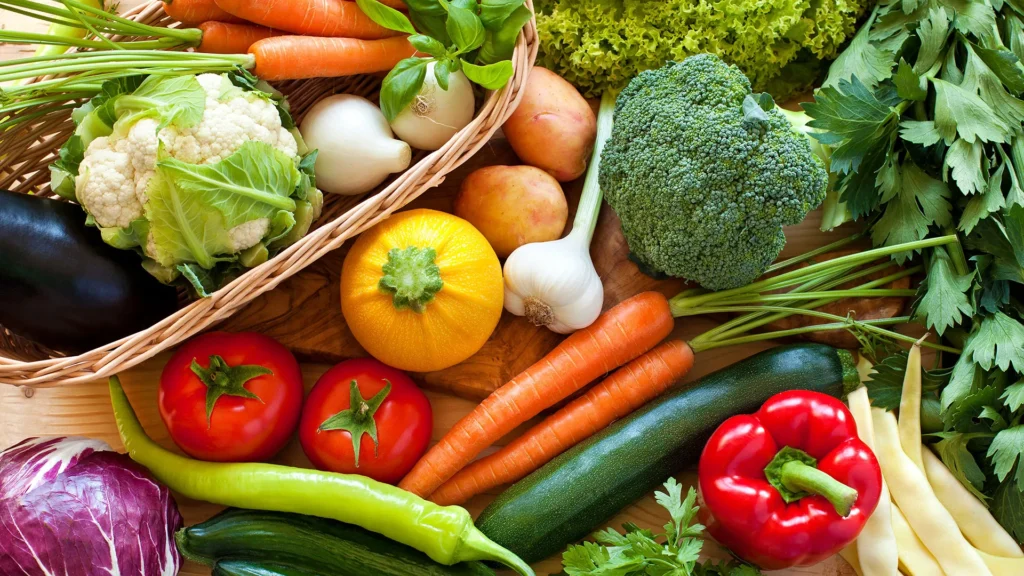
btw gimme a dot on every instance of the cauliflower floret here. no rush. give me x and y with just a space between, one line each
141 147
228 124
106 185
248 234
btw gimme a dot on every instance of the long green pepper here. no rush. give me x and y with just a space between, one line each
445 534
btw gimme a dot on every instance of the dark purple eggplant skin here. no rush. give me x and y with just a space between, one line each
62 286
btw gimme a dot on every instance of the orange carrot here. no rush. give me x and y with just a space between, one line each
296 57
628 330
396 4
625 390
194 12
224 38
339 18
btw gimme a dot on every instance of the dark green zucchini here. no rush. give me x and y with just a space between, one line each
580 490
258 568
62 286
306 545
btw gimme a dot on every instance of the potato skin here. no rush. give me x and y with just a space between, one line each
554 127
512 206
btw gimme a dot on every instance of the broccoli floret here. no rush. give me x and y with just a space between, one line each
704 175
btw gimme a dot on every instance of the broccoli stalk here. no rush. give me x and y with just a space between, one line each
834 212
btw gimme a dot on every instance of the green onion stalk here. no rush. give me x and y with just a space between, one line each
67 78
807 289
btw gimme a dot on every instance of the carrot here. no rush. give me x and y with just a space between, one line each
628 330
296 57
224 38
396 4
625 390
194 12
339 18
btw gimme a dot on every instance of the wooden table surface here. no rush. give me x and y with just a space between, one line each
85 409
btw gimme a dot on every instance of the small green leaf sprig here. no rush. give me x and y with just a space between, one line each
474 36
641 552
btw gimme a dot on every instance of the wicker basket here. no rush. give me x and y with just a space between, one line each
33 147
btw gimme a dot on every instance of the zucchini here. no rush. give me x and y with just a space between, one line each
257 568
300 545
581 489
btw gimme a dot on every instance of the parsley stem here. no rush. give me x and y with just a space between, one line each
837 294
816 252
747 326
838 323
851 259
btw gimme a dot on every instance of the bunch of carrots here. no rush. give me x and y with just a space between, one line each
295 39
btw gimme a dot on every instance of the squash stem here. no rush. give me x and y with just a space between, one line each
590 201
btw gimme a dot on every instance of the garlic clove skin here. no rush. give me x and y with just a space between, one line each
554 284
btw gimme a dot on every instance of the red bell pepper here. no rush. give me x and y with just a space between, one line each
790 485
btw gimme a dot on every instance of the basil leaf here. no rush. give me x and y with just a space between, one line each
432 25
401 85
429 17
464 28
499 44
442 70
470 5
493 13
386 16
427 45
491 76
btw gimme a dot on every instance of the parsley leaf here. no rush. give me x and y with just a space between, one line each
963 164
981 205
1008 507
861 60
1013 396
1006 448
944 301
961 111
885 384
920 202
996 341
640 552
909 85
933 32
853 120
952 449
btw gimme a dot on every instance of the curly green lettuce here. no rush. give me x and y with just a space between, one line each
779 44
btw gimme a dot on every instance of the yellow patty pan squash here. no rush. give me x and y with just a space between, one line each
422 290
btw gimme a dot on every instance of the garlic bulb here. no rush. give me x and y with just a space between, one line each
554 284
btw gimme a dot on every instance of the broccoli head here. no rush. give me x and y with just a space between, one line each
704 175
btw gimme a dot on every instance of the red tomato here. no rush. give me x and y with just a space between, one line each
254 385
385 399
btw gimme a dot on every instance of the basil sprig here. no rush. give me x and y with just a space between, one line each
474 36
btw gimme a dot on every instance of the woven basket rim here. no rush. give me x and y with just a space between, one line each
202 314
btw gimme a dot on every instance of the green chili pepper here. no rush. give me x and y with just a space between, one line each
445 534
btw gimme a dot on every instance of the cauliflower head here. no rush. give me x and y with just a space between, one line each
601 44
704 175
200 174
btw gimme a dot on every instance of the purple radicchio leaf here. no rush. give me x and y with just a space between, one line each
72 507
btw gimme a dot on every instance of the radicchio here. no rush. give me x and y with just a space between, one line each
73 507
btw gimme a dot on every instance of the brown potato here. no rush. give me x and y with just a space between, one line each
512 206
554 127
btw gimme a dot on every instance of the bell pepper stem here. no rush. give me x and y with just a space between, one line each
801 477
476 546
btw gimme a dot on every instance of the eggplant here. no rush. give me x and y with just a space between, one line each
62 286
